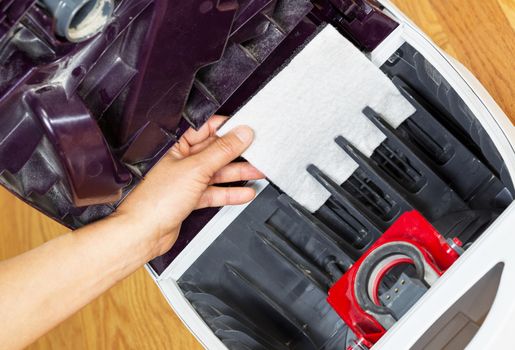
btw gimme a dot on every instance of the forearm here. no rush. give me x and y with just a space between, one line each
44 286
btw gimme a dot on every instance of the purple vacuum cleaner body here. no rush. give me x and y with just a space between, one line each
85 117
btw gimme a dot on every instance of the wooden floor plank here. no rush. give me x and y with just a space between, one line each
422 11
508 8
479 35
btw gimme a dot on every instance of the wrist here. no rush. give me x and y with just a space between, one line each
138 235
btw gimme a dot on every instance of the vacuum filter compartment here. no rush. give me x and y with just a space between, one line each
263 283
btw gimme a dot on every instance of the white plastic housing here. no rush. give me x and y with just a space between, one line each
475 295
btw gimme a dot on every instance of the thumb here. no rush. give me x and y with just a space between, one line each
225 149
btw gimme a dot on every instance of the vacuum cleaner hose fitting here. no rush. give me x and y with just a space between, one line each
78 20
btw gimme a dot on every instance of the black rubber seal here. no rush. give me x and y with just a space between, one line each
367 267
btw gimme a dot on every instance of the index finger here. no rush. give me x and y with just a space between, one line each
194 137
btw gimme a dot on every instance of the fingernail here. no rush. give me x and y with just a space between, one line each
244 133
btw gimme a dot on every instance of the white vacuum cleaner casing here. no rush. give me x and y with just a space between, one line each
481 283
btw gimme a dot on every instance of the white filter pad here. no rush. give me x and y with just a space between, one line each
317 97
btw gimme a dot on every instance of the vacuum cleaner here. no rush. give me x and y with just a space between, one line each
412 250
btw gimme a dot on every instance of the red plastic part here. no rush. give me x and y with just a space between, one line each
412 228
457 241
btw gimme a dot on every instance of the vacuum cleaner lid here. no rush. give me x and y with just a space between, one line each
92 96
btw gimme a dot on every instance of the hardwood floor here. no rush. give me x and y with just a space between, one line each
479 33
134 315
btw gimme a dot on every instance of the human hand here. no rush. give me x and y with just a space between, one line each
184 180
